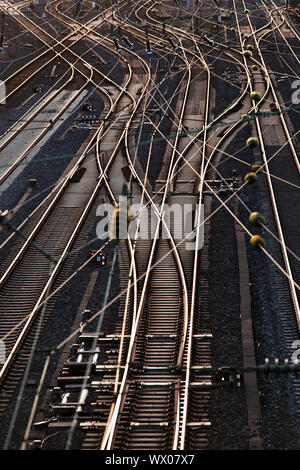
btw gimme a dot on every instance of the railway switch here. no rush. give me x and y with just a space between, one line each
229 376
148 46
174 46
99 258
250 178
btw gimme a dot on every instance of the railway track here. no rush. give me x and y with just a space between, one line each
147 385
135 410
284 214
57 246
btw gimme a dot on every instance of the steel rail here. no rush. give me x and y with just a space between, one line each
101 89
23 155
177 255
270 184
182 404
180 421
98 159
71 65
159 213
181 415
9 5
15 73
37 226
132 279
284 20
